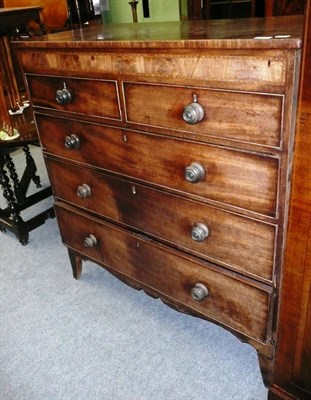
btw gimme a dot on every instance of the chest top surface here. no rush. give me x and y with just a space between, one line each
253 33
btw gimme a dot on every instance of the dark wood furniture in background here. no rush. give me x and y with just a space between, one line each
178 178
284 7
292 376
219 9
53 14
14 189
80 12
9 93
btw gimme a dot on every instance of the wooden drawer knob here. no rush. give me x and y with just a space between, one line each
199 292
195 172
83 191
72 142
64 96
90 241
193 113
199 232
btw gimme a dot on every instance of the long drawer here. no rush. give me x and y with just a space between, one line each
257 70
244 244
241 179
238 304
94 97
239 116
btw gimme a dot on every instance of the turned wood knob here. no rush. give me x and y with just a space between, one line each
199 292
195 172
83 191
199 232
72 142
63 96
193 113
90 241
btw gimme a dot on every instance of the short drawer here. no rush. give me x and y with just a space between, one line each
94 97
235 303
241 179
228 239
238 116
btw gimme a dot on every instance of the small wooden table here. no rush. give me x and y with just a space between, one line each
14 17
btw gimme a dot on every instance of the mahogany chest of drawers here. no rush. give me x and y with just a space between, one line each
169 149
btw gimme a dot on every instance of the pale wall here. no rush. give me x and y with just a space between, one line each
160 10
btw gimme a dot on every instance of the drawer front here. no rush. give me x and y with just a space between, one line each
94 97
256 70
234 303
244 180
241 243
245 117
